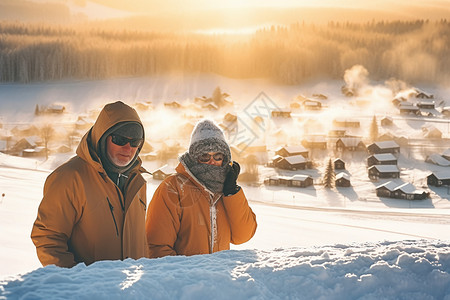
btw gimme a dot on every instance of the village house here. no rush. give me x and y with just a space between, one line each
406 108
381 159
320 96
383 171
173 104
387 121
292 151
275 161
339 164
50 109
296 162
384 147
337 132
30 142
342 180
281 113
315 142
439 178
350 144
312 105
431 132
299 180
163 172
437 160
403 191
34 152
426 104
422 95
343 122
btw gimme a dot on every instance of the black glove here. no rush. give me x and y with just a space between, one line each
229 186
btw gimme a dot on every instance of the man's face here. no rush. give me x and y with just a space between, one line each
120 155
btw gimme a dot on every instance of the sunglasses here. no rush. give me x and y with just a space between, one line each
122 141
205 157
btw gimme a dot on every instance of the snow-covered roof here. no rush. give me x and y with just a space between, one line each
408 188
437 160
296 159
442 175
351 141
387 144
386 168
293 149
300 177
343 175
384 156
390 185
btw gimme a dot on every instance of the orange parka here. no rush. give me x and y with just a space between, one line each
183 218
80 218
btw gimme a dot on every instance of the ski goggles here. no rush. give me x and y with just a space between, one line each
122 141
205 157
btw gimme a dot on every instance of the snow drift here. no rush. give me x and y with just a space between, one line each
389 270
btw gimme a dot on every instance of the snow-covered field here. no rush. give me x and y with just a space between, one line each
311 243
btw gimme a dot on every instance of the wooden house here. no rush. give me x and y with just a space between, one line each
426 104
342 122
296 162
292 151
26 143
431 132
387 121
34 152
439 178
173 104
312 105
386 189
281 113
384 147
275 161
407 191
273 180
339 164
342 180
337 132
320 96
407 108
315 142
350 144
383 171
300 181
163 172
381 159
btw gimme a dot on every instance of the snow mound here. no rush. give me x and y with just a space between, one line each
388 270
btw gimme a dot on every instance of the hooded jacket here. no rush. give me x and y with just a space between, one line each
184 219
83 216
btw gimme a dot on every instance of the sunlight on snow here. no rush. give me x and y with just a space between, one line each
133 276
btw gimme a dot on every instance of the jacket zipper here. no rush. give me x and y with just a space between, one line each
213 220
111 208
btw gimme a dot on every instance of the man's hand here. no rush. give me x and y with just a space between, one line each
230 187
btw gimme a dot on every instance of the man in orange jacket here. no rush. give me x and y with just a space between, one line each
94 205
200 209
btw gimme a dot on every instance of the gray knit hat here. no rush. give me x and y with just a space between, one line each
208 137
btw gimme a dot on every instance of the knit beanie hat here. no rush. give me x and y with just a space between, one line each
207 137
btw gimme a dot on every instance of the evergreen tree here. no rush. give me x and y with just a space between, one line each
217 97
373 129
329 176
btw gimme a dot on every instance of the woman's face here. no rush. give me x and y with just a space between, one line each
211 158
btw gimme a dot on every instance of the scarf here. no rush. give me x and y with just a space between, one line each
210 176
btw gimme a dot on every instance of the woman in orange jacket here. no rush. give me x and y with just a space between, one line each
200 209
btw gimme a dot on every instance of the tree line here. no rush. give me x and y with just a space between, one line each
414 51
